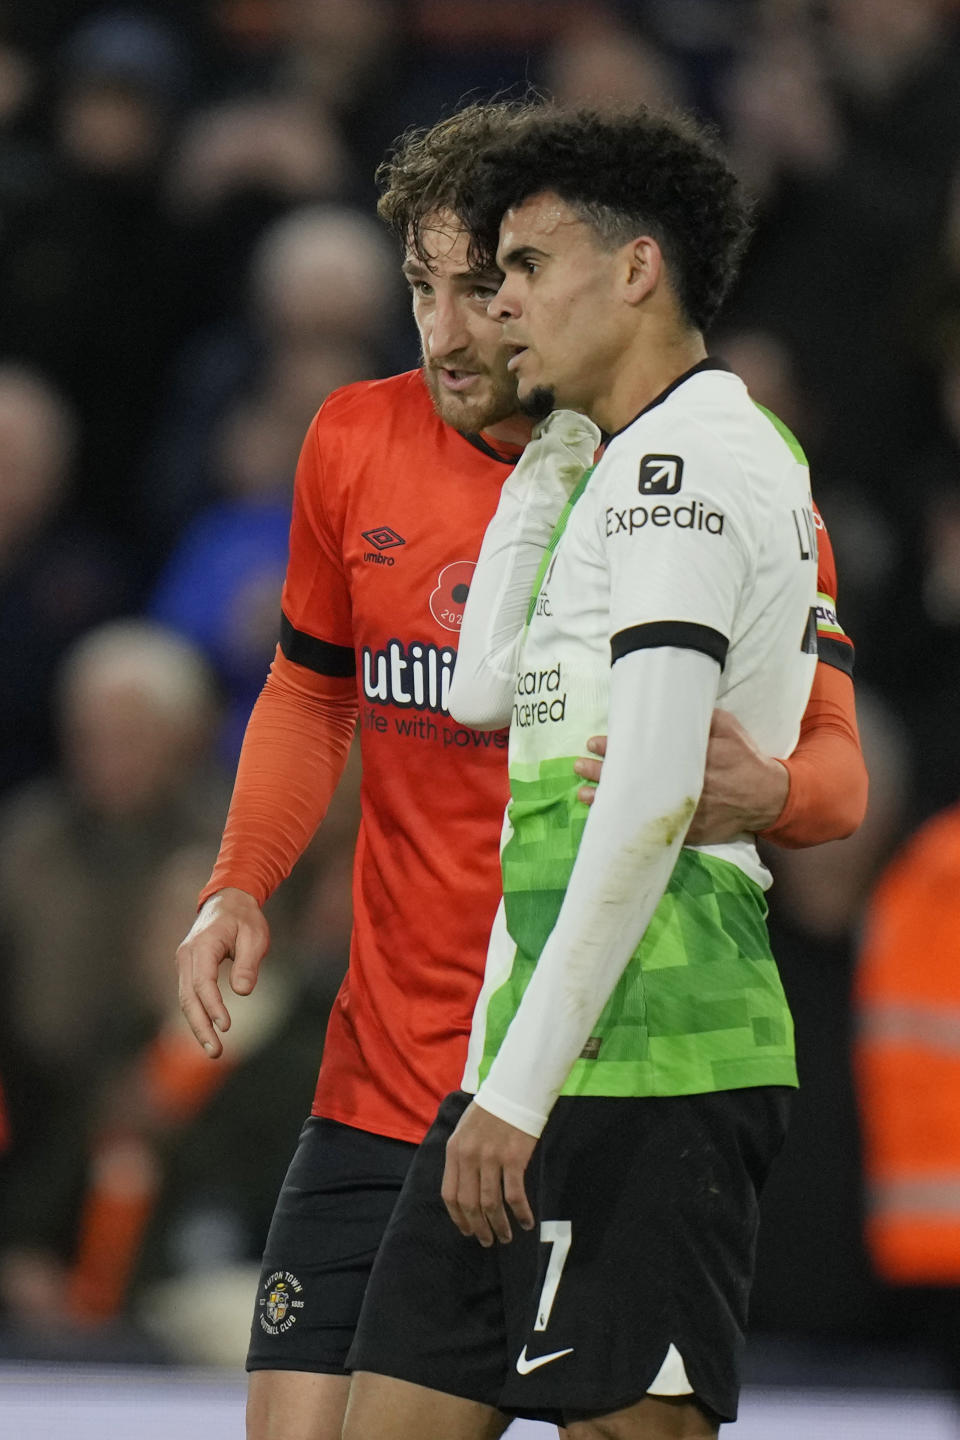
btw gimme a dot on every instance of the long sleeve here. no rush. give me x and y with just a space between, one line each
827 798
531 504
651 780
293 755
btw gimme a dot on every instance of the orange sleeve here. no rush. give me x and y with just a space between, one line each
827 798
294 752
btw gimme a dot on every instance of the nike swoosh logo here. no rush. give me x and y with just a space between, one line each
524 1366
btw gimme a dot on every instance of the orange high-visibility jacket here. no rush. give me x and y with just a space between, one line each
907 1059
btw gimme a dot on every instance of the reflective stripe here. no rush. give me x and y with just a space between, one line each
894 1023
935 1195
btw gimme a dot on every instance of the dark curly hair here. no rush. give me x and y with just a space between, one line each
424 173
625 173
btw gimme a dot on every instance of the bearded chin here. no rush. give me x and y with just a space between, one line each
539 403
500 403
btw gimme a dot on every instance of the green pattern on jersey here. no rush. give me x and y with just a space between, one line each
699 1007
785 433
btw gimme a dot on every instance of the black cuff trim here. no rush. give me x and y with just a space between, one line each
682 634
317 655
838 653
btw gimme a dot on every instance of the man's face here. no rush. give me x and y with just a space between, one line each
561 323
464 361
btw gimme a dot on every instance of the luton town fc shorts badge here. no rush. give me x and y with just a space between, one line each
280 1300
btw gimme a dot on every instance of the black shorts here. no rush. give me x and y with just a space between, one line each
647 1212
331 1213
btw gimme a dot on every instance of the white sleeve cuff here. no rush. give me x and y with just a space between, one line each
526 1120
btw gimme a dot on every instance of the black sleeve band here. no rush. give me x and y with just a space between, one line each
838 653
317 655
680 633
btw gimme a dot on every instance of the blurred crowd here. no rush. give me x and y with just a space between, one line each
189 264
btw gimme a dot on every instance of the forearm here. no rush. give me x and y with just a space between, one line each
827 795
646 797
293 755
531 501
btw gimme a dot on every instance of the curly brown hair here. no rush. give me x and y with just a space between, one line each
625 173
426 170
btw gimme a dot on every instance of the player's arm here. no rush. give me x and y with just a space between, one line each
293 755
652 778
531 500
827 796
816 794
819 792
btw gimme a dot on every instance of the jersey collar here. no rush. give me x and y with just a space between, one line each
509 456
702 365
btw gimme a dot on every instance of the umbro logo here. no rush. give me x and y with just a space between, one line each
383 538
660 474
525 1366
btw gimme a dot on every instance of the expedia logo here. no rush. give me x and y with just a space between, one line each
694 516
417 675
660 474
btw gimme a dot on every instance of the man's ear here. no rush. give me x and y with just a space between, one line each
643 268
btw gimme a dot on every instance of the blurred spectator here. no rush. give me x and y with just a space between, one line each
908 1072
267 146
325 276
854 169
221 587
124 76
598 61
781 117
929 667
136 709
185 1156
17 80
57 576
321 299
78 855
701 39
260 149
768 369
157 1194
90 281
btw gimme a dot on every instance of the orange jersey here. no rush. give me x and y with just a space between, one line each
907 1059
390 510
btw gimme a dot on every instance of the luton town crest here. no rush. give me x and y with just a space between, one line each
280 1299
278 1303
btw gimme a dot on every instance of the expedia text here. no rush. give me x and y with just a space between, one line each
694 516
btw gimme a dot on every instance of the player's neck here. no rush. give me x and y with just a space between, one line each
643 374
515 430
